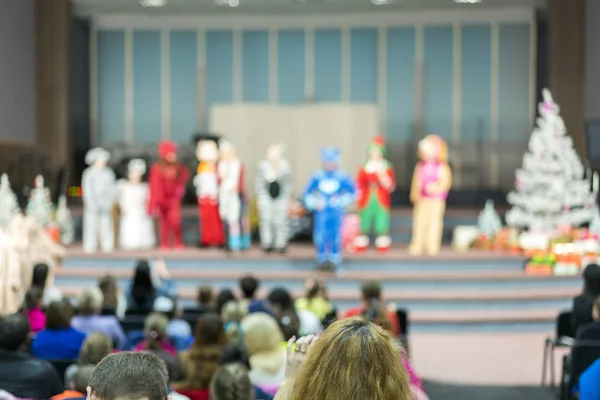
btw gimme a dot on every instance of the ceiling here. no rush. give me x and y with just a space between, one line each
99 7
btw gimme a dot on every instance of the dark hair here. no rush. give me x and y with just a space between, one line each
371 290
142 289
232 382
376 313
224 297
235 353
108 286
33 298
591 280
249 286
82 377
40 276
172 363
315 289
288 319
205 295
59 315
130 375
14 331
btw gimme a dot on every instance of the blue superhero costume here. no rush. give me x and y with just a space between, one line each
328 194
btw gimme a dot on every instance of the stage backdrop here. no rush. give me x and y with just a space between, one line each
467 75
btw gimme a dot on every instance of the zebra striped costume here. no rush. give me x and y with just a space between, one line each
273 191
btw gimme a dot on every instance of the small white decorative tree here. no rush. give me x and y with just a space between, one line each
489 222
40 204
9 205
65 222
552 187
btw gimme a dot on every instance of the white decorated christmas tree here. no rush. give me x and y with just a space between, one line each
40 204
9 206
65 222
489 222
552 188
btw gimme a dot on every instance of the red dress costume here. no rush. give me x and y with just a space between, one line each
167 186
207 192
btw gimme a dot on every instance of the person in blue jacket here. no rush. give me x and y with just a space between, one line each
589 382
328 193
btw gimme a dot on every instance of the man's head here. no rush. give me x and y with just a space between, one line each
82 378
371 290
248 286
14 330
129 376
205 295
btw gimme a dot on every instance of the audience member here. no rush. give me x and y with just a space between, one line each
224 297
78 387
264 342
231 382
353 359
236 353
232 315
205 300
591 331
95 347
20 374
371 294
176 327
174 370
314 299
249 287
32 307
583 304
114 300
149 282
157 338
202 360
589 382
281 304
89 319
40 279
59 341
129 375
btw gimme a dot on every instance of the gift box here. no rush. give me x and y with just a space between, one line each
539 269
54 233
464 237
566 269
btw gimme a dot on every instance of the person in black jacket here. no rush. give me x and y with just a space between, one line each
583 304
591 331
22 375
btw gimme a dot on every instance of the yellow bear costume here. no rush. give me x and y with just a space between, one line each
431 182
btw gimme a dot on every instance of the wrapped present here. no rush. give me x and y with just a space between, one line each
350 231
464 237
54 233
539 269
566 269
534 241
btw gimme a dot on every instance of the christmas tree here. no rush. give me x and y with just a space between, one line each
552 187
489 222
40 204
65 222
9 206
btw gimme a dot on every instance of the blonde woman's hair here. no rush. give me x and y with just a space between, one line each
90 301
234 311
95 347
231 382
261 333
155 327
353 359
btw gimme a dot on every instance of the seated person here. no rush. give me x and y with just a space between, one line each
95 347
583 304
589 383
205 300
32 307
231 382
371 293
175 374
314 300
156 335
89 319
591 331
176 327
59 341
236 353
149 282
20 374
79 386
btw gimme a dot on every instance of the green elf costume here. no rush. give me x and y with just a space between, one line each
375 183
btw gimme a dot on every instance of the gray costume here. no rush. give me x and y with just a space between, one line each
99 191
273 191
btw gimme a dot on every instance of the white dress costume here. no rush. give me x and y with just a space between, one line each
136 229
99 192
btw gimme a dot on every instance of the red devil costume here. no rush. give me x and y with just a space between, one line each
167 187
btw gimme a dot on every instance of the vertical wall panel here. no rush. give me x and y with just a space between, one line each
219 68
147 91
438 76
183 60
291 63
328 65
111 86
476 89
513 102
400 83
363 65
255 66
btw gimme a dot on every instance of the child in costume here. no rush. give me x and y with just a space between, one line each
431 182
375 182
206 182
232 197
328 193
99 186
273 191
167 187
136 229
